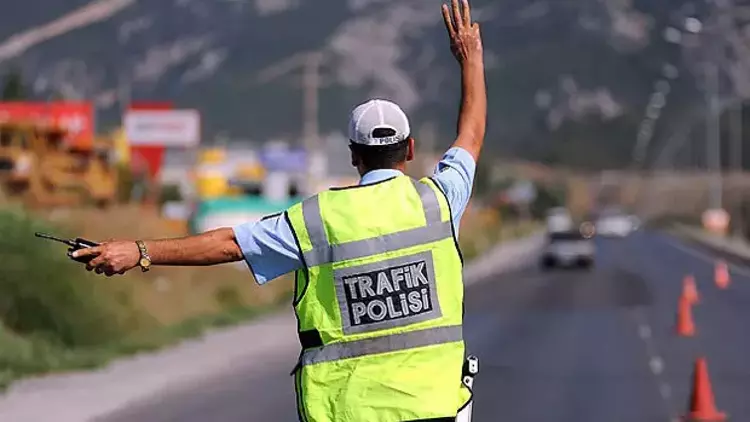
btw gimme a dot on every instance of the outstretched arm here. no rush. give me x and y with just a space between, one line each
466 45
210 248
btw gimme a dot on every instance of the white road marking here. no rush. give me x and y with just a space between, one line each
666 391
657 365
655 362
644 331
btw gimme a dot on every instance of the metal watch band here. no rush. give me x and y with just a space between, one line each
144 254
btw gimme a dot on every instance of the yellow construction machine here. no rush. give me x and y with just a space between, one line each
38 167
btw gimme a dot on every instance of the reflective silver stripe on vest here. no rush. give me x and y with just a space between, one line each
392 343
389 242
430 202
314 222
323 252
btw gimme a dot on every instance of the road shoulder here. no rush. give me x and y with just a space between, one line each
730 248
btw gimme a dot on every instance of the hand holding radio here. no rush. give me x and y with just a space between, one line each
107 258
74 244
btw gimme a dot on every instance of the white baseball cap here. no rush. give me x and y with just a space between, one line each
375 114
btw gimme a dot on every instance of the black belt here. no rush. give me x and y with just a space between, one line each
310 338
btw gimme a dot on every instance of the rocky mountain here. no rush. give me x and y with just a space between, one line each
561 72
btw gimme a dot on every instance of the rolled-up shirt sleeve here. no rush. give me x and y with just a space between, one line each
454 175
269 247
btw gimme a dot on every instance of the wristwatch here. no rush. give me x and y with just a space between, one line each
145 261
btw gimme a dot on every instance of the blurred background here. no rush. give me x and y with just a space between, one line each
133 119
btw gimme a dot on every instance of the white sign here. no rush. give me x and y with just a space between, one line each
170 128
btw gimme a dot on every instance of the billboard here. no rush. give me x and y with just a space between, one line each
165 128
76 118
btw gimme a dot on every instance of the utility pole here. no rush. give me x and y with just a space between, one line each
714 44
735 137
716 218
735 134
311 64
727 28
713 134
311 81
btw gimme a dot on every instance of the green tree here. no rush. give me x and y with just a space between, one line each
13 88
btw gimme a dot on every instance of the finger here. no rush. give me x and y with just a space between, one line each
96 262
457 16
467 14
96 250
448 21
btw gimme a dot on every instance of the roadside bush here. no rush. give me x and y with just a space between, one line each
55 316
45 295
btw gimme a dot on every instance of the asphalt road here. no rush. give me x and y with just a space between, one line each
560 346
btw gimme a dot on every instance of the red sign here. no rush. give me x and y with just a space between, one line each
76 118
148 158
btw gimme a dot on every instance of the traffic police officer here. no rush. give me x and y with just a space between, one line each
379 292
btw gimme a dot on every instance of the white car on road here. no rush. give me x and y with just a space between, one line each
616 224
559 220
568 249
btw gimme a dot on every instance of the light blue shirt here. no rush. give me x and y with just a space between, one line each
269 247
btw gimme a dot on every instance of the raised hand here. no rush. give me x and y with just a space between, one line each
465 38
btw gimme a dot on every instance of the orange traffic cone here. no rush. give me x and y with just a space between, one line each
689 290
721 274
702 406
685 326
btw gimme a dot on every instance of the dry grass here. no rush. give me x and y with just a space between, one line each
482 228
170 294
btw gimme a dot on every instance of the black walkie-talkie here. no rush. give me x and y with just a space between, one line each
75 244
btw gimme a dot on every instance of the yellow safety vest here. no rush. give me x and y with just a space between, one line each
379 305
